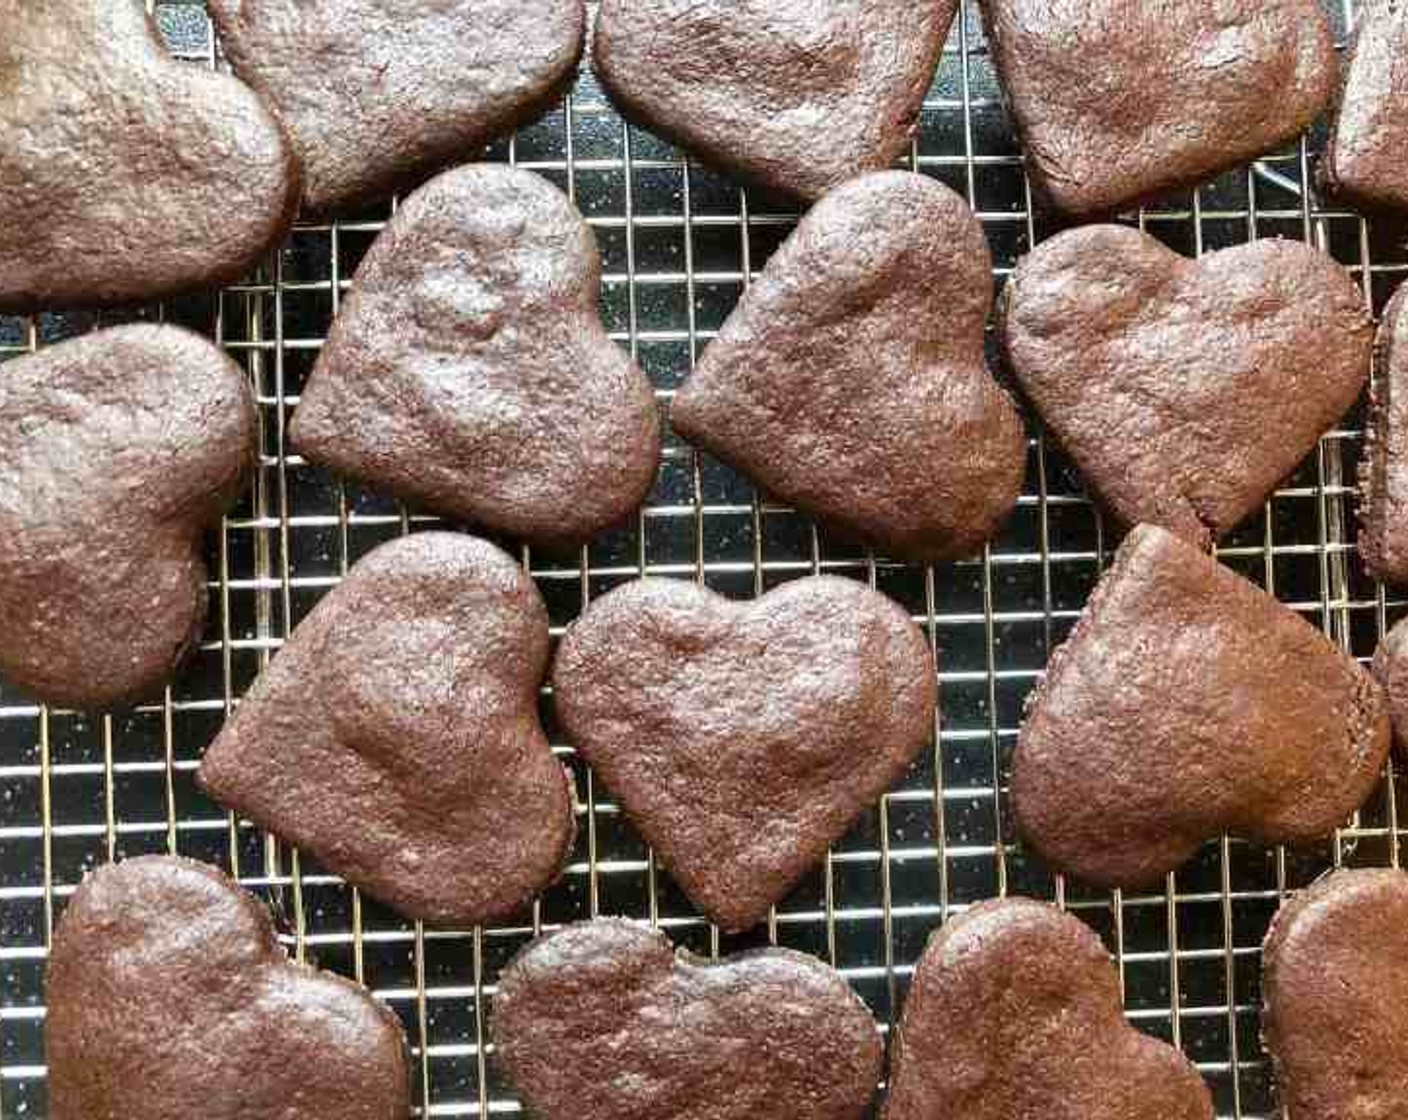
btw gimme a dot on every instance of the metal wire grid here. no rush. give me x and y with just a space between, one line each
679 243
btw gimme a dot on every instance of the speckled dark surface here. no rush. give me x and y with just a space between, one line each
377 94
1184 390
1116 101
1015 1012
850 380
1383 469
791 94
1335 997
170 997
743 738
1365 163
396 737
469 371
117 451
1186 703
604 1021
126 176
1390 667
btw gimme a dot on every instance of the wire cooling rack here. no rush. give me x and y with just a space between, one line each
679 243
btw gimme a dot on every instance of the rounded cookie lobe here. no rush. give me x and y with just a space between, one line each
850 381
126 176
1185 390
169 996
603 1021
797 95
1015 1011
469 371
1187 703
377 94
1364 161
742 739
1390 669
118 449
1116 101
396 736
1383 468
1335 997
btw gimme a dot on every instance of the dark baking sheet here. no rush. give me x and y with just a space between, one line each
678 242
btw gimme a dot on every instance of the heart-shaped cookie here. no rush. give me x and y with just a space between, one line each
378 93
742 739
1186 703
850 380
396 736
1334 995
168 995
603 1021
469 371
117 451
1365 160
797 96
126 176
1185 390
1383 470
1014 1012
1118 100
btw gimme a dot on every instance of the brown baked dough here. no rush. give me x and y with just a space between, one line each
1014 1012
1187 703
1390 668
118 450
850 381
469 372
377 94
1185 390
1335 998
1383 470
126 176
1366 158
602 1021
396 736
1116 101
797 95
169 996
742 739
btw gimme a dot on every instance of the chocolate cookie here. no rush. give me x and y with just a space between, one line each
117 451
850 380
379 93
1365 161
1187 703
1335 998
742 739
1383 470
396 737
168 995
126 176
1116 101
469 371
1185 390
1015 1011
1391 670
602 1021
793 94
